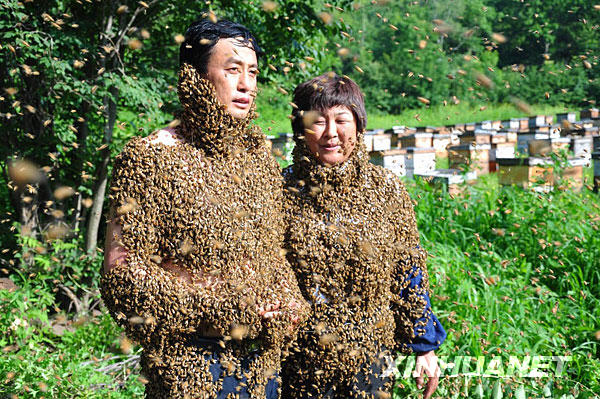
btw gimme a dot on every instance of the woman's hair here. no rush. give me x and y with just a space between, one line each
326 91
203 35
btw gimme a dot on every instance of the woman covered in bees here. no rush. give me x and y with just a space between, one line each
353 242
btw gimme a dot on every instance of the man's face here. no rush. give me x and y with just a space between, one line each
232 68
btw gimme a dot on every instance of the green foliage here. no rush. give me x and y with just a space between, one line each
514 273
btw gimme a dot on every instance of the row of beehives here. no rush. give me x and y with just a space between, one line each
483 147
491 146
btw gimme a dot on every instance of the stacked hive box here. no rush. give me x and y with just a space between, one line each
571 177
547 146
393 159
418 139
475 157
382 142
590 113
441 141
420 160
502 146
453 180
582 147
570 117
524 137
532 172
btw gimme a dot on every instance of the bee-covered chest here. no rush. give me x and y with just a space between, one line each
225 199
340 235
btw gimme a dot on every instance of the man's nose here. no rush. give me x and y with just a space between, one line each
244 82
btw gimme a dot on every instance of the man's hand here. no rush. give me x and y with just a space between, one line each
270 311
427 364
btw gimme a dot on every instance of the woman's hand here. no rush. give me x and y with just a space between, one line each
427 364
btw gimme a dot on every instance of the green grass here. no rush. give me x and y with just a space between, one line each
274 111
461 113
514 273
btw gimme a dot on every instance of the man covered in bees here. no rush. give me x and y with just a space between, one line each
194 269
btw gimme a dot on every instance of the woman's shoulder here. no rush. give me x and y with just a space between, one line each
384 178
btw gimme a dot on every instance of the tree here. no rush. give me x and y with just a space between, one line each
82 77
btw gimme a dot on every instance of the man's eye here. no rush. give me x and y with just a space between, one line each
254 72
320 123
233 69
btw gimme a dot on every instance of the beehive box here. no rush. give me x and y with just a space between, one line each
596 147
571 177
499 138
451 180
566 116
419 160
500 150
441 142
477 136
368 139
590 131
512 135
582 146
278 143
425 129
596 158
542 129
513 123
540 120
475 157
489 125
382 142
545 147
589 113
394 160
395 132
523 124
399 129
530 173
523 138
419 140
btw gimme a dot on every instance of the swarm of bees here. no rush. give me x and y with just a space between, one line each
210 205
352 240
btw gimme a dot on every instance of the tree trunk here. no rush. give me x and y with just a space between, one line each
95 216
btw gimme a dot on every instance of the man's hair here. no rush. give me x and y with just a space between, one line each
324 92
203 35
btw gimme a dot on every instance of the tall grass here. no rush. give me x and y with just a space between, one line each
514 273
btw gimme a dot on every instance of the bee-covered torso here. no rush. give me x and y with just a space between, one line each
210 203
352 241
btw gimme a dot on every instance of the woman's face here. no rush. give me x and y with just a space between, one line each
331 135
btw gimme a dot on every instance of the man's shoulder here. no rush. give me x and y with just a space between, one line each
149 150
166 136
